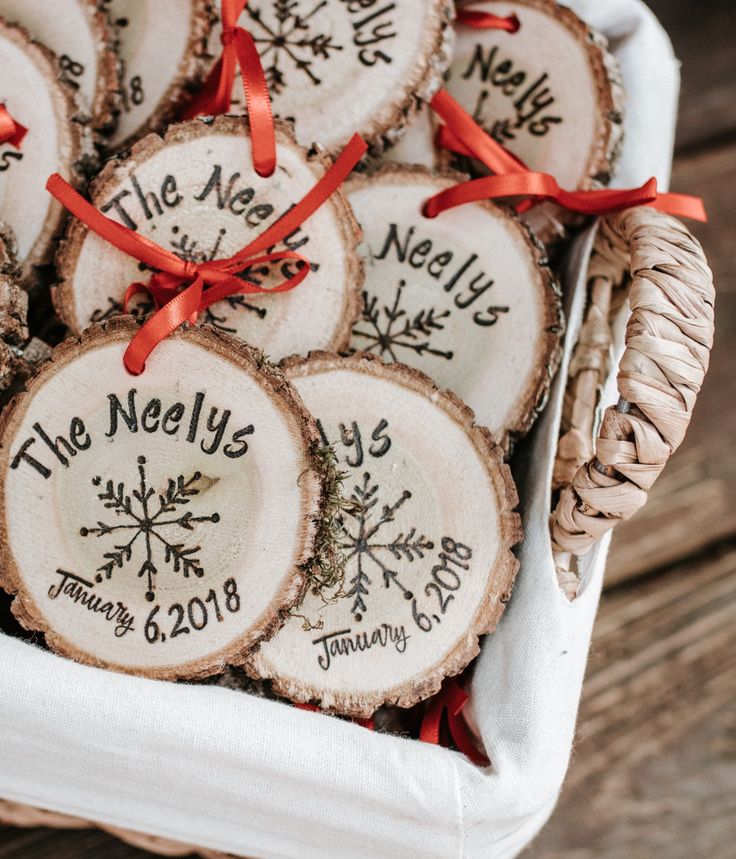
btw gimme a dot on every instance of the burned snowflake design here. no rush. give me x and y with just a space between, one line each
369 555
149 522
388 330
293 42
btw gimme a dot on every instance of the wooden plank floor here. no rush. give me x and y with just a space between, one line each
654 766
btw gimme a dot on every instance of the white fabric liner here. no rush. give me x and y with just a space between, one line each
256 778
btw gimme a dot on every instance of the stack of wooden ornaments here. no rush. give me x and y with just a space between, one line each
312 485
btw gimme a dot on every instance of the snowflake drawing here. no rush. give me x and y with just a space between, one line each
293 42
367 552
388 330
149 523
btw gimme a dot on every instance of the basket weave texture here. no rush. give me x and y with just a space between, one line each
668 340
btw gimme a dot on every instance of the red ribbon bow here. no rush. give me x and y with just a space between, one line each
176 305
239 49
451 700
463 135
487 21
11 131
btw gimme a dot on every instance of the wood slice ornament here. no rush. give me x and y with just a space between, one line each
163 48
33 91
551 93
427 531
79 33
196 192
337 67
466 297
159 524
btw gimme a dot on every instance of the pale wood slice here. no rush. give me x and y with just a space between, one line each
338 67
427 531
466 297
58 140
551 93
209 203
161 524
417 146
79 34
163 48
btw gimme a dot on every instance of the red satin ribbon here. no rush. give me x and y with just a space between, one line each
451 700
487 21
11 131
239 49
176 305
364 723
463 135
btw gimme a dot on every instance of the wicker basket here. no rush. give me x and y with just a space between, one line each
601 481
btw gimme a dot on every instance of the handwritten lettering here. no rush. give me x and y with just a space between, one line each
204 428
467 281
81 592
373 25
344 643
531 100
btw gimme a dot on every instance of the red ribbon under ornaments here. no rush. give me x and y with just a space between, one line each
11 131
463 135
487 21
182 289
451 700
239 49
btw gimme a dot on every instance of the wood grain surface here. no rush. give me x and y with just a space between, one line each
654 766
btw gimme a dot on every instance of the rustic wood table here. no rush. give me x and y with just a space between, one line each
654 765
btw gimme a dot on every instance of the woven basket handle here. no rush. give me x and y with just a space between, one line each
668 341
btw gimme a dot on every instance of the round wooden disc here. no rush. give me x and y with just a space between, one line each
466 297
195 192
337 67
57 141
163 48
550 93
158 524
427 536
78 33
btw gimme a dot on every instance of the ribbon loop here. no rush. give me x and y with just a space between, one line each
239 50
11 131
182 289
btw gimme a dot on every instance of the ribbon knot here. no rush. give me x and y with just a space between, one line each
11 131
239 51
190 270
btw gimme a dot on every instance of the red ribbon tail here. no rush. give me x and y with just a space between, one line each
680 206
451 700
463 130
182 308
